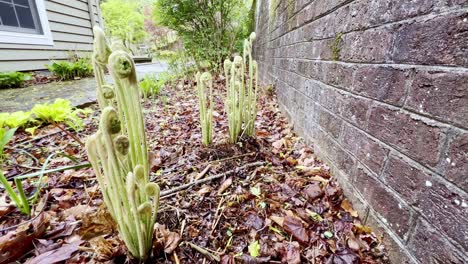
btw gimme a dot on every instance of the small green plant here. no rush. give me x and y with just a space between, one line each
5 136
336 46
60 112
66 70
13 79
119 156
150 85
16 119
19 199
205 99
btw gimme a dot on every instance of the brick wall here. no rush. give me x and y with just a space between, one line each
380 89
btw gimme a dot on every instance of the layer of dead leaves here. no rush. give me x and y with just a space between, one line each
291 206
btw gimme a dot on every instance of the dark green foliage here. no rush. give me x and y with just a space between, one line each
13 79
209 29
70 70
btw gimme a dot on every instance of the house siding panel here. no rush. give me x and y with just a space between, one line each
71 25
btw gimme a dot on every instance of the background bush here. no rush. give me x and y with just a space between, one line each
210 29
13 79
66 70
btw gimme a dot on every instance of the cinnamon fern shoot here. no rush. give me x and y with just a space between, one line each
119 157
205 99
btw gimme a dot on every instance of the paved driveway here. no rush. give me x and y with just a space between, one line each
79 92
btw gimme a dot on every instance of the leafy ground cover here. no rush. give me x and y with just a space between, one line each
263 200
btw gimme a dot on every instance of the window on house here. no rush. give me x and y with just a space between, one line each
19 16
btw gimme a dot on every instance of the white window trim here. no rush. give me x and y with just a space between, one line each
28 38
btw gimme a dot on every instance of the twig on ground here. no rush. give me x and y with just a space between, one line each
23 142
201 174
228 158
204 252
69 134
176 258
77 166
215 223
217 176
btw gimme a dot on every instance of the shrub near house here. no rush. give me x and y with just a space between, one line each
13 79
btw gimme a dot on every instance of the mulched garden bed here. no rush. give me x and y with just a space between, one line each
269 196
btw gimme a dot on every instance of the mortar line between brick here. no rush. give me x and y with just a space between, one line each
324 14
451 68
421 116
416 163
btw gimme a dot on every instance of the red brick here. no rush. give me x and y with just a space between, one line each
340 158
354 109
440 40
413 137
339 75
383 83
438 203
430 246
456 161
396 214
440 94
367 150
373 45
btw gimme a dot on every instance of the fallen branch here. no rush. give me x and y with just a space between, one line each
217 176
72 167
204 252
201 174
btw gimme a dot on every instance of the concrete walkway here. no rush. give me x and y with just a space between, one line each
79 92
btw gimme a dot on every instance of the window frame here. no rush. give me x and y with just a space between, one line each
10 37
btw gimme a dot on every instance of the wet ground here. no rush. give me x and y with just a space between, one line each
79 92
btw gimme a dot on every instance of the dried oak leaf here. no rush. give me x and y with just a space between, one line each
57 255
346 205
107 249
313 191
97 223
16 243
165 239
344 256
294 226
291 253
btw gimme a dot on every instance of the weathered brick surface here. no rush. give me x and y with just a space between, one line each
439 40
414 137
428 194
384 83
367 150
429 247
455 162
390 115
440 94
395 213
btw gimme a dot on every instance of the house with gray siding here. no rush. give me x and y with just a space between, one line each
33 32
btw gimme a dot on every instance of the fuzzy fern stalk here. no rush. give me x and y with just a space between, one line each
118 155
235 98
100 57
205 99
250 113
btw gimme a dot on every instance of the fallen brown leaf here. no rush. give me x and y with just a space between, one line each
16 243
294 227
54 256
